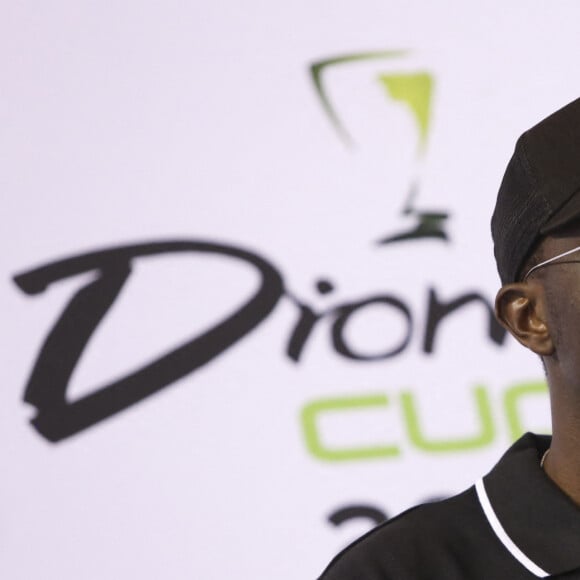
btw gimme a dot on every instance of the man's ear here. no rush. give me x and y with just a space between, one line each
520 307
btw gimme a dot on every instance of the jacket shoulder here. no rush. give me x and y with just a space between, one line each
428 537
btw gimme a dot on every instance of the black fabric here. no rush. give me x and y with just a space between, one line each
453 539
537 192
542 521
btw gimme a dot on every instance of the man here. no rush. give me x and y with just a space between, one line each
522 520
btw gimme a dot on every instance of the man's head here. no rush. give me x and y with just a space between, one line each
536 219
540 191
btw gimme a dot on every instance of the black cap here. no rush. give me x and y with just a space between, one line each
540 191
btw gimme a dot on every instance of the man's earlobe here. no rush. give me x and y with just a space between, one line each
519 307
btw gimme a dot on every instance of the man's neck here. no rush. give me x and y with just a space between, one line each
562 464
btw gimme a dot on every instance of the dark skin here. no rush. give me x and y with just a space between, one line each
543 314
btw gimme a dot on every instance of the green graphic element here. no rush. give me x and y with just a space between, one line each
312 412
415 91
316 72
485 426
484 437
511 402
412 90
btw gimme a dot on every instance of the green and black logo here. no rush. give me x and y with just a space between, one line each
412 90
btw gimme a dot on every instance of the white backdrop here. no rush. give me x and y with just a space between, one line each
140 123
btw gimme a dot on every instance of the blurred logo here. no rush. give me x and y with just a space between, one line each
58 417
410 90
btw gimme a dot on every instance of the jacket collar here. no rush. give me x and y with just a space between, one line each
538 518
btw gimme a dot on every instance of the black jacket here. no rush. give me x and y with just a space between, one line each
515 524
